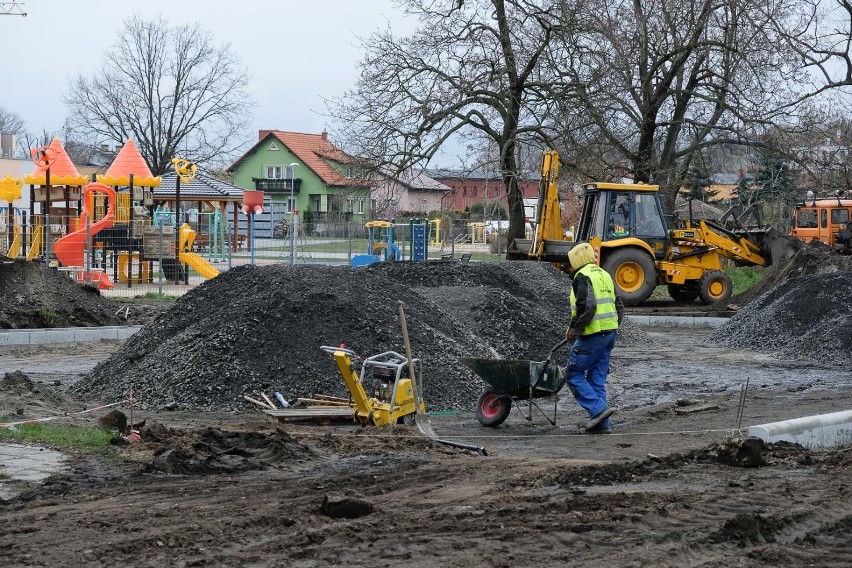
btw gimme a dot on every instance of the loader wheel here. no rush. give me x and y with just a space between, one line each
682 292
715 286
492 409
634 274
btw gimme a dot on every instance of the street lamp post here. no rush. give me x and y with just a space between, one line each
291 173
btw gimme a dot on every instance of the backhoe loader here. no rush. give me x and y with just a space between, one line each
627 227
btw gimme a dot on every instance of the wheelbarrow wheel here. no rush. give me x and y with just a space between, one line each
492 408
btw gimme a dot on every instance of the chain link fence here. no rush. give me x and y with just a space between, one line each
139 258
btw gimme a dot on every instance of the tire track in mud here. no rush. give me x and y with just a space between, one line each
437 507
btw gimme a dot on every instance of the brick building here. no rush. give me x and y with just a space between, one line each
471 187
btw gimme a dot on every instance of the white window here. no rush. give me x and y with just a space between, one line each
360 206
350 172
291 204
273 172
273 147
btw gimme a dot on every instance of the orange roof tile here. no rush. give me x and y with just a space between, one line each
129 161
62 169
313 150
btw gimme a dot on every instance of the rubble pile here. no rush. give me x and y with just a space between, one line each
801 312
260 330
36 296
21 398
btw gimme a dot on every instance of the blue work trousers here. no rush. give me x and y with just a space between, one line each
588 365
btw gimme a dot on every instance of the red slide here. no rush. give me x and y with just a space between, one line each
71 249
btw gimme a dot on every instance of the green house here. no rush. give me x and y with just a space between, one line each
325 184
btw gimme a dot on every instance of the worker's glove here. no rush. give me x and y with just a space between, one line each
569 336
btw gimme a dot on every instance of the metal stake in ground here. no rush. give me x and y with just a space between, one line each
741 404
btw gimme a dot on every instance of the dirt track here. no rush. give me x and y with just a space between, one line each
544 495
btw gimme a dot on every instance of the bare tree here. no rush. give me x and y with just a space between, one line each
472 68
10 123
171 89
660 80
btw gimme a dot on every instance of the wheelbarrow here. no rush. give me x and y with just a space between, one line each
518 381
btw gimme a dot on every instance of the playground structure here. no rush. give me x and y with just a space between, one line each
381 246
70 250
101 232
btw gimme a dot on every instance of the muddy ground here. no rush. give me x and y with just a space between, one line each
244 491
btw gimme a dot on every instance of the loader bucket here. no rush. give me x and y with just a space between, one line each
775 247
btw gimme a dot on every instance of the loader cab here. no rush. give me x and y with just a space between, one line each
614 211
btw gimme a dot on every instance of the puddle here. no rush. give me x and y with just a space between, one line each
20 464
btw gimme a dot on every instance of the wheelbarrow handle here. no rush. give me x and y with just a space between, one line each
558 345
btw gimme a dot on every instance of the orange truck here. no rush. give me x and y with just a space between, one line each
824 220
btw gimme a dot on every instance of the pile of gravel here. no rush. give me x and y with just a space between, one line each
802 312
260 330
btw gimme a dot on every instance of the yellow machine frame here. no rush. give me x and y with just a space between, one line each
371 410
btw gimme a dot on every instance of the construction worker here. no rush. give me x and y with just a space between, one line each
596 313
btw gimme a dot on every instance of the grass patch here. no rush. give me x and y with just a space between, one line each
79 437
48 317
744 277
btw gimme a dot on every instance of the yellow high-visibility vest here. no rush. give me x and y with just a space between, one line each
606 316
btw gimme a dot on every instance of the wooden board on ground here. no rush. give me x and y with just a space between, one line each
322 413
696 408
324 402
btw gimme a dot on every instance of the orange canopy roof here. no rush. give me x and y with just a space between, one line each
129 161
62 169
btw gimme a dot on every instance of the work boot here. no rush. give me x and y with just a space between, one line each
605 427
598 418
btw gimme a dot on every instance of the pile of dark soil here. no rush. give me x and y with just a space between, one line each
21 398
812 258
35 296
211 450
801 312
729 452
260 330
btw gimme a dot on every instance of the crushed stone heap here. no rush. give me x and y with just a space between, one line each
803 311
260 330
36 296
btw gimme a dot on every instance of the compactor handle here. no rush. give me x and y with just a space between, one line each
331 350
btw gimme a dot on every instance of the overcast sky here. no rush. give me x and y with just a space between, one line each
296 51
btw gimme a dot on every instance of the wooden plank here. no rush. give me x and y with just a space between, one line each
311 412
267 399
257 402
323 402
696 408
329 397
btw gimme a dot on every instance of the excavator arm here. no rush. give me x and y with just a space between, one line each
548 216
548 243
737 248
